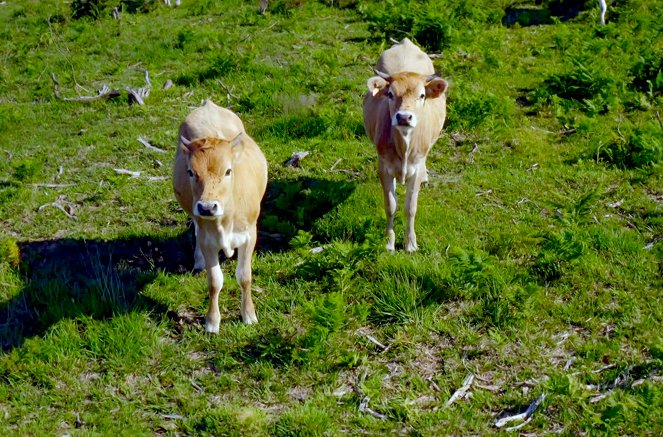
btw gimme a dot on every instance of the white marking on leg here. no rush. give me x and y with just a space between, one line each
243 275
411 198
215 284
390 203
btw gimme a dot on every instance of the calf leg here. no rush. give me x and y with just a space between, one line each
214 285
389 192
243 273
411 198
198 258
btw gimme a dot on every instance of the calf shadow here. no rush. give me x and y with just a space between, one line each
73 278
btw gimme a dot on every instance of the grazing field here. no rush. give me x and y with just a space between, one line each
539 277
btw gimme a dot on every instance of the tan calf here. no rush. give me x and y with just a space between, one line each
404 112
220 176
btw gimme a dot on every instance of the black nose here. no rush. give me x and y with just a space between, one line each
207 209
403 119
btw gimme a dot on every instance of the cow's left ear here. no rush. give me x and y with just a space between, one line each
376 84
236 142
435 86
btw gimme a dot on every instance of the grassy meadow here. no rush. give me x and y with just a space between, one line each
540 269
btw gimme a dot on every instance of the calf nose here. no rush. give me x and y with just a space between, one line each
404 118
208 209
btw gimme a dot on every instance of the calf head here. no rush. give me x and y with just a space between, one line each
407 93
210 168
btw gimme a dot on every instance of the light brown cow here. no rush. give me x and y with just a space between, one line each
220 176
404 112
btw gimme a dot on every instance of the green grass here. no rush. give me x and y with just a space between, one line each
540 267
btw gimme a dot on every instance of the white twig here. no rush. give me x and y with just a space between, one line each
295 159
52 185
133 174
364 408
198 388
374 341
522 416
433 384
458 394
335 164
157 178
147 144
609 366
147 79
604 8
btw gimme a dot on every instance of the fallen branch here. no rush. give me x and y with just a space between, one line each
137 95
462 391
146 143
103 93
63 205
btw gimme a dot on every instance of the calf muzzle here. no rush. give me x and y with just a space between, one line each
208 209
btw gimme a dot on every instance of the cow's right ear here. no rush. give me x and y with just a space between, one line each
376 85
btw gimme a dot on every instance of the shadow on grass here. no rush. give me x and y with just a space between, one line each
72 278
291 205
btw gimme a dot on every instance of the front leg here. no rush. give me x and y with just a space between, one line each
389 192
411 199
198 258
243 273
214 285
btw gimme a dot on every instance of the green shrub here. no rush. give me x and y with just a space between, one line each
648 71
9 251
585 87
640 148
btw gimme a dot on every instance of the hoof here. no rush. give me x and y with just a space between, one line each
410 246
210 329
250 319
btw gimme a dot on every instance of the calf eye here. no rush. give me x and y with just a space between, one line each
190 173
422 96
390 95
228 172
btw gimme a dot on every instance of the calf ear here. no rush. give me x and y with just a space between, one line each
237 140
236 143
435 86
376 84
